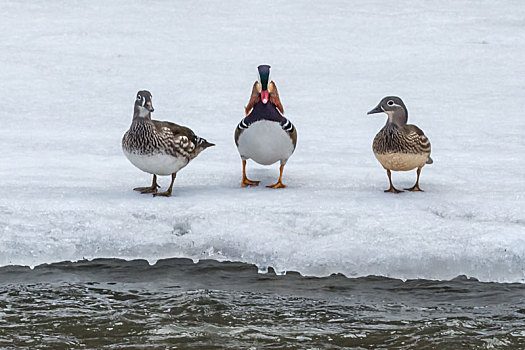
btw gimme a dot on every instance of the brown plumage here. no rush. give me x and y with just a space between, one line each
159 147
274 96
270 127
256 97
399 146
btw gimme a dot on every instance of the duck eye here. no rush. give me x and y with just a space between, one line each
390 103
138 97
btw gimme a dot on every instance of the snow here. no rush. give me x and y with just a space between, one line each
70 72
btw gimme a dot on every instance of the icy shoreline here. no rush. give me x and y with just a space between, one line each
72 74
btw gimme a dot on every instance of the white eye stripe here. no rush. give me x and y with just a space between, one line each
391 103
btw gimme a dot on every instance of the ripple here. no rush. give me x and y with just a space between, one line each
116 303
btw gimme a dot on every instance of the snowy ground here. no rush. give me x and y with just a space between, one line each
69 72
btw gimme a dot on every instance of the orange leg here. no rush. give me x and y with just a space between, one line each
279 183
245 182
150 189
392 188
416 186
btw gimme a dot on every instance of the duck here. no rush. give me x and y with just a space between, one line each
159 148
399 146
265 135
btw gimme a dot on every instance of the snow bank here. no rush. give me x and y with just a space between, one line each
70 76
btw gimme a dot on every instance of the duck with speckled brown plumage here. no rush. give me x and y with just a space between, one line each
399 146
159 147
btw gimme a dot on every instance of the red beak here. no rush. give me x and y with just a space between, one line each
265 96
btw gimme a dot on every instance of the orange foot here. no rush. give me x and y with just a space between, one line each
277 185
246 182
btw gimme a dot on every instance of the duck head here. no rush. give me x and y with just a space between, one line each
143 104
264 79
394 107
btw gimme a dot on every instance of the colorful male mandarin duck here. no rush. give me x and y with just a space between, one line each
159 148
265 135
399 146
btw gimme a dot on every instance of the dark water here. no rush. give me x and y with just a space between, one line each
210 305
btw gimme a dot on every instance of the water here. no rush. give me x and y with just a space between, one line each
109 303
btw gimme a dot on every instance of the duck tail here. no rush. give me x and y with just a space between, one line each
203 144
430 161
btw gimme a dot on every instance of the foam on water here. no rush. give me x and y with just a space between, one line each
66 187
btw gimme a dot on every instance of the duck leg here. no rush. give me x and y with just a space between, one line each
416 186
279 183
168 192
245 182
392 188
150 189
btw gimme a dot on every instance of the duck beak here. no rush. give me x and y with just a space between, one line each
265 96
378 109
149 107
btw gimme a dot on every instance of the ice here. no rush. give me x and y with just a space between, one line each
69 73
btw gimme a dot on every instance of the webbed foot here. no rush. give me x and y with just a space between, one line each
393 190
149 189
246 182
414 188
277 185
162 194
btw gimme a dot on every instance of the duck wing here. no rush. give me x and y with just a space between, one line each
254 97
274 96
417 139
180 139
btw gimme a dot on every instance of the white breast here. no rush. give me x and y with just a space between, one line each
159 164
265 142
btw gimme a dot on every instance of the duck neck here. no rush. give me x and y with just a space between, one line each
141 113
397 118
142 124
